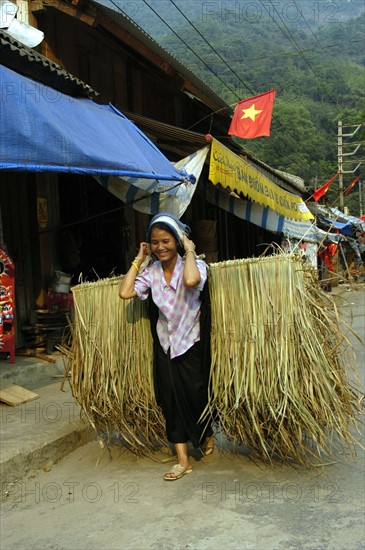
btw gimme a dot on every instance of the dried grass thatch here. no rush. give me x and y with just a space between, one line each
279 382
111 366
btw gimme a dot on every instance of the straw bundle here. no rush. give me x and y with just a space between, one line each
111 366
278 379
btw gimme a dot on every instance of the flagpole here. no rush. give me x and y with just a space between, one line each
360 198
211 114
324 188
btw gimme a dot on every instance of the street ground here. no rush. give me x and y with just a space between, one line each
91 499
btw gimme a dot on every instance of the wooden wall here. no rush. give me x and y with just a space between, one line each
121 76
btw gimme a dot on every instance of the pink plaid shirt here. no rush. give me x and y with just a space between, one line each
179 306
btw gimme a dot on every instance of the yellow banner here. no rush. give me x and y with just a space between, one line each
234 172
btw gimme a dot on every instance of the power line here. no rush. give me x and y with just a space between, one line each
294 42
291 54
211 70
318 42
212 47
227 65
187 45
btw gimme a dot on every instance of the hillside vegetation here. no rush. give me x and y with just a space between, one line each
311 52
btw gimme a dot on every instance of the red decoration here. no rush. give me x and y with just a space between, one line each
323 190
252 117
7 305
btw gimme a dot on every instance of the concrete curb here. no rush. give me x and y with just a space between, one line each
38 433
24 463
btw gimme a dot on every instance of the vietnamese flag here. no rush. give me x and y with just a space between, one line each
323 190
252 117
351 185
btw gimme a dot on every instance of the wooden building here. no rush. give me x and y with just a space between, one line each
68 222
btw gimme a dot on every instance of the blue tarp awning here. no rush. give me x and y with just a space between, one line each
344 228
341 217
43 130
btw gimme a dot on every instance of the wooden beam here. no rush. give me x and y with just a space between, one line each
134 43
82 10
87 15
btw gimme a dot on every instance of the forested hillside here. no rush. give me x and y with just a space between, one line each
311 52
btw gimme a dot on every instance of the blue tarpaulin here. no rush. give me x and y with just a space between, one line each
44 130
344 228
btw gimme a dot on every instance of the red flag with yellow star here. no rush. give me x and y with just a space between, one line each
347 191
252 117
323 190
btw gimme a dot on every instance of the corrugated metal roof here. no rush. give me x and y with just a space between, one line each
27 61
297 181
173 135
162 129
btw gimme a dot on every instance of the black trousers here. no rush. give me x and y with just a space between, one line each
183 395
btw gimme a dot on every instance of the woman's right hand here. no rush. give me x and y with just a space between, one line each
126 287
142 253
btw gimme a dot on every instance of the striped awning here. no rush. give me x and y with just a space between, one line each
247 179
264 217
150 198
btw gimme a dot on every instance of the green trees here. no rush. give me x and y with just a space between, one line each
311 52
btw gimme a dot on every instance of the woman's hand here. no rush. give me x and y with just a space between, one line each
126 287
188 244
191 274
142 253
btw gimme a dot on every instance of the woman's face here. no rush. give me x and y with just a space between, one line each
163 245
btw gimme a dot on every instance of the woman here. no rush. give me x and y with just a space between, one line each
181 380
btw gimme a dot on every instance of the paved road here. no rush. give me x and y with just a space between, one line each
88 501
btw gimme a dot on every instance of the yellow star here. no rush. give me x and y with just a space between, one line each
251 112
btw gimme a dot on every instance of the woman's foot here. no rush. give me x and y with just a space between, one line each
183 466
208 445
177 471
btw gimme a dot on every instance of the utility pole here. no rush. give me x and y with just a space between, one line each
360 199
341 154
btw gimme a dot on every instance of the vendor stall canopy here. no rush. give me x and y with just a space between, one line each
344 228
43 130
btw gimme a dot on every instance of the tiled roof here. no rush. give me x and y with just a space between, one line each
27 61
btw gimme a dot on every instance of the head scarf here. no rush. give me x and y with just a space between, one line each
177 228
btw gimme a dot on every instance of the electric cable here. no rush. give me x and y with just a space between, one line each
318 42
211 70
212 47
223 82
294 42
287 131
189 47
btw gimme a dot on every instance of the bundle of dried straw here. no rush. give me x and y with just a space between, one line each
111 365
279 382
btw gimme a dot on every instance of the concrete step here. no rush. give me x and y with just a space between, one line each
31 372
40 432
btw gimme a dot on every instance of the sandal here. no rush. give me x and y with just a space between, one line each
208 446
178 471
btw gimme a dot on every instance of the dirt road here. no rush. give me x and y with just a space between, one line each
88 501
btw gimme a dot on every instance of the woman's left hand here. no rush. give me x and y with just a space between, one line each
188 244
